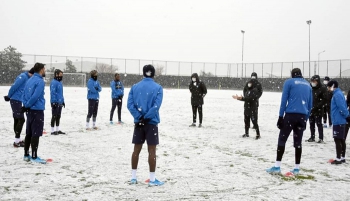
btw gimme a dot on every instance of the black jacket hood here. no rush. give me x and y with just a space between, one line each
195 75
254 74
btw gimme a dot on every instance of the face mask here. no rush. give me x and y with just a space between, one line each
94 78
59 78
194 79
325 82
313 84
249 85
253 77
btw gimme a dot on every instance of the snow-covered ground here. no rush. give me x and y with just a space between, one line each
212 162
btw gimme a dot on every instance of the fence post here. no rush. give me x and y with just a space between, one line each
166 64
262 70
340 69
81 64
178 71
271 69
215 68
281 68
191 68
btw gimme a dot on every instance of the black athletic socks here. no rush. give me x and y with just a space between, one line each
35 145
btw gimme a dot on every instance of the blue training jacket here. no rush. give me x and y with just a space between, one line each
117 89
56 92
296 97
145 99
33 96
339 110
93 89
16 90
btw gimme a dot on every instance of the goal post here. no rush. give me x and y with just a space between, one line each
69 79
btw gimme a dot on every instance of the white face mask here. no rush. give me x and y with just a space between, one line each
249 85
325 82
194 79
313 84
253 77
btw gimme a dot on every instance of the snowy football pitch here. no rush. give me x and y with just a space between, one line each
212 162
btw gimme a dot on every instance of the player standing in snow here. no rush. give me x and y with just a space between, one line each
117 97
93 96
15 97
340 116
327 108
296 105
144 101
257 85
198 91
250 108
319 92
34 106
57 102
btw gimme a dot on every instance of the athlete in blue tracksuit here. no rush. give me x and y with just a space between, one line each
340 115
34 106
144 101
15 97
57 101
93 96
117 97
296 105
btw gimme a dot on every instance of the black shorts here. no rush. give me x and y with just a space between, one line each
147 132
16 107
35 123
57 110
295 123
339 131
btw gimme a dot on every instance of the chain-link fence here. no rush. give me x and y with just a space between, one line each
331 68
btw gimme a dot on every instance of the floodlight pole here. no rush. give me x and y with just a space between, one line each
309 23
242 31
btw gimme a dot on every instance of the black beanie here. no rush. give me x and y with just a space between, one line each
31 71
332 83
148 71
296 72
327 78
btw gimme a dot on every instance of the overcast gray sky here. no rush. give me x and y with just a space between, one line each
178 30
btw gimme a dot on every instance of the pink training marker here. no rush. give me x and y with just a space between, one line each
147 181
330 160
289 174
49 160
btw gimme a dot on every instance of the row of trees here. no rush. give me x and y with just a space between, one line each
11 60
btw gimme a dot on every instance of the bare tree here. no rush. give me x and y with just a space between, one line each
159 70
204 74
105 68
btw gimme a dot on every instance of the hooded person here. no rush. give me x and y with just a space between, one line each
93 96
319 92
250 108
256 84
144 101
340 117
198 91
15 97
57 102
327 107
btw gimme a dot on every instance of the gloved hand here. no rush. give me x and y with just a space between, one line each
194 83
142 122
6 98
54 105
280 122
24 109
348 119
64 105
96 88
